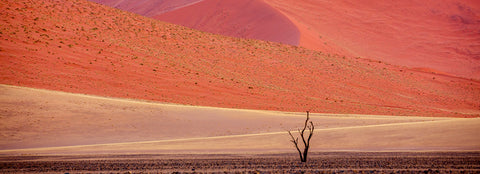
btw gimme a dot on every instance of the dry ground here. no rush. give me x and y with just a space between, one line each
326 162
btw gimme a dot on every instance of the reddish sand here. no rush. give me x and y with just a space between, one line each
440 35
83 47
245 19
147 8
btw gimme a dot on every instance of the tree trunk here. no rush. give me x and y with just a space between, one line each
306 143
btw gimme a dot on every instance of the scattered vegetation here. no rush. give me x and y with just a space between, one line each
113 46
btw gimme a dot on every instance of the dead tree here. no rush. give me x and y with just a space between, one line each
306 141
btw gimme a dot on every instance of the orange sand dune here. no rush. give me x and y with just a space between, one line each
39 121
441 35
82 47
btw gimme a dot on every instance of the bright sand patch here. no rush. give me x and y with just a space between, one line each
41 121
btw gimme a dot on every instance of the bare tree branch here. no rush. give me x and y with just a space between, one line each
306 143
295 141
310 128
303 131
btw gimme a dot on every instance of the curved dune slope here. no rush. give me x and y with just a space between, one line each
147 8
83 47
245 19
440 35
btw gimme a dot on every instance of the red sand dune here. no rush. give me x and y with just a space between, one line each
147 8
245 19
440 35
83 47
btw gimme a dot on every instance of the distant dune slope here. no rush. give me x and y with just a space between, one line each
433 36
440 35
147 7
82 47
244 19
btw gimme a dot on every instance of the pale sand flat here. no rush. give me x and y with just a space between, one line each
41 121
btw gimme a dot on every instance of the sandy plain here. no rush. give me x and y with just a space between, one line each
37 121
46 131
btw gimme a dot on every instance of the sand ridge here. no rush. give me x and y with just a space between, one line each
425 35
252 19
418 34
148 8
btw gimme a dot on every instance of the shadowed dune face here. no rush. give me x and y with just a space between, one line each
441 35
147 8
251 19
82 47
245 19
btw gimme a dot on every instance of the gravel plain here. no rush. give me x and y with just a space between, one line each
321 162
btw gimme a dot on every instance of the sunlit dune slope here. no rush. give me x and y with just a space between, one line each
440 35
39 121
83 47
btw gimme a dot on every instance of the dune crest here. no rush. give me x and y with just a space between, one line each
245 19
251 19
147 8
441 35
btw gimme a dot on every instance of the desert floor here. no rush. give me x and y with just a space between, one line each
325 162
50 131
